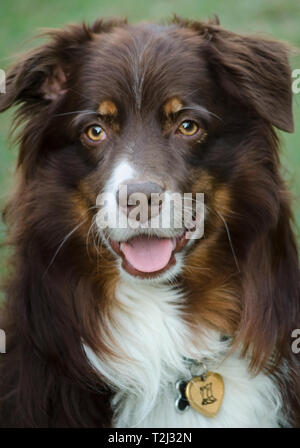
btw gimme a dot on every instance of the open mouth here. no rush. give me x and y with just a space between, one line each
147 256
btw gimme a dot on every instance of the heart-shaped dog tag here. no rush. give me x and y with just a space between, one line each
206 395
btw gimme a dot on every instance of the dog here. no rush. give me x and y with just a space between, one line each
144 326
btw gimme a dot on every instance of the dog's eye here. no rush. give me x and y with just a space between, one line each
188 128
96 133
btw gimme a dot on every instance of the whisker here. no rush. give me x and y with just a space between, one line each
84 112
61 245
196 267
191 268
87 238
65 240
201 109
229 238
96 237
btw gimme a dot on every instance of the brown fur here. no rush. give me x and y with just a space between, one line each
242 278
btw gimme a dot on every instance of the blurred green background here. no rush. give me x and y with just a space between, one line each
21 19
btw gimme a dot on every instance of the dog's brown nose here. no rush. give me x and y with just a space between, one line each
146 197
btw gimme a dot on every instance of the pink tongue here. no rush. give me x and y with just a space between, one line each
148 255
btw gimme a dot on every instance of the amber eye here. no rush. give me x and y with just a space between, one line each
188 128
96 133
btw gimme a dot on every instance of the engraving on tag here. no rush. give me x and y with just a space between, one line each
205 395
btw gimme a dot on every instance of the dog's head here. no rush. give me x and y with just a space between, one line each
143 111
156 110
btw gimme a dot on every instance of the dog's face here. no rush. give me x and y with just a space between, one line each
144 126
158 110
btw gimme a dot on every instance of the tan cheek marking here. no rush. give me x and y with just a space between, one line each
222 200
172 106
81 202
107 107
79 215
204 183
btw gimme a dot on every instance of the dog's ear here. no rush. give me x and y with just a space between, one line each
41 76
38 77
254 71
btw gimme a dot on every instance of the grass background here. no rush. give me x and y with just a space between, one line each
21 19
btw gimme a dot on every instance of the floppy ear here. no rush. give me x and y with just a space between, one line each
271 299
36 78
41 76
254 71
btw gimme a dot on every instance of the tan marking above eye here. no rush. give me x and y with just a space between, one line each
172 106
107 107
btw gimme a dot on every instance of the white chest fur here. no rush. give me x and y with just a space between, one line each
149 338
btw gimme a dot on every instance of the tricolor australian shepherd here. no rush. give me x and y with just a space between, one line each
139 325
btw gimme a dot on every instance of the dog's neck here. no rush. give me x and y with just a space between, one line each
149 337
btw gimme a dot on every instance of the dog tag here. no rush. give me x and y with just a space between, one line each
205 395
181 403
